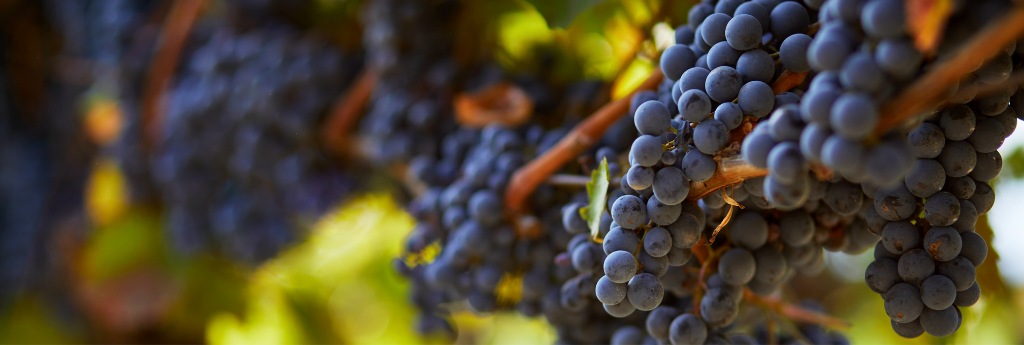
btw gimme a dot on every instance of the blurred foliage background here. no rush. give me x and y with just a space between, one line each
116 278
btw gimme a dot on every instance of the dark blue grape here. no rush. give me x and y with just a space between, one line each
721 54
743 32
756 99
788 18
723 84
676 60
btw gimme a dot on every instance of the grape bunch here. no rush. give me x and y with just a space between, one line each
409 43
238 161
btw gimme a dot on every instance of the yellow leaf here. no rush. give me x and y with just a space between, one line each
106 193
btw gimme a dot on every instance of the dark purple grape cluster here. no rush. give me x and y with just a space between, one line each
409 43
238 162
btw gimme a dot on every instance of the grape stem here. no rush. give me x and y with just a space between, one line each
586 134
173 35
347 111
929 91
795 313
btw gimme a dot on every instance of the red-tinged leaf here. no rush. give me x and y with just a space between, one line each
926 21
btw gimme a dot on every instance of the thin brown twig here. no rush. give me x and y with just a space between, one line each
586 134
795 313
347 111
172 39
928 91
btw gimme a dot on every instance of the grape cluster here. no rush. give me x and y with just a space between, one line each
238 162
409 43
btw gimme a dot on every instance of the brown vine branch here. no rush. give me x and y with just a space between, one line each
795 313
927 92
586 134
172 39
347 111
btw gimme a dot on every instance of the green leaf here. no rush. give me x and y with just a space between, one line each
1015 161
597 190
561 13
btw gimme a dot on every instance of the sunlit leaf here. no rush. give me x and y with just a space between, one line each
631 77
1015 161
133 240
561 14
926 21
597 190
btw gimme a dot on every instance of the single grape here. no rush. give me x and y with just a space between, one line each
620 239
854 115
749 230
983 198
677 59
898 58
968 217
926 178
646 150
967 297
881 275
786 124
730 114
652 118
883 18
915 266
942 209
736 266
796 228
830 48
755 99
903 303
629 335
787 196
756 65
713 28
710 136
844 197
621 310
629 212
671 185
645 291
940 323
812 139
957 122
758 11
938 292
679 256
844 155
694 79
698 166
895 202
860 73
756 147
620 266
786 164
698 13
959 270
958 158
727 6
723 84
657 242
996 70
659 320
609 292
722 54
988 166
770 266
788 18
694 105
908 330
793 53
974 248
719 308
960 187
899 237
640 177
688 329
